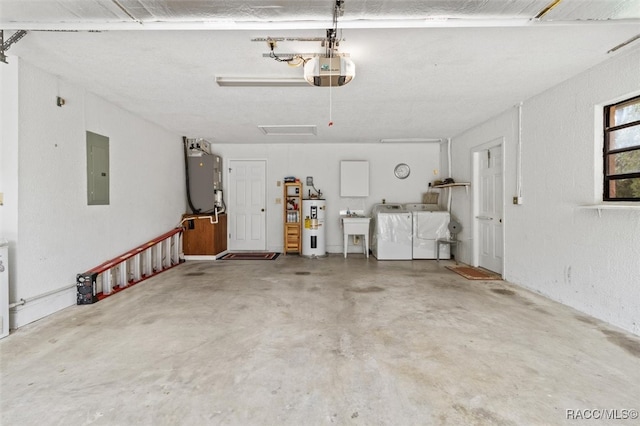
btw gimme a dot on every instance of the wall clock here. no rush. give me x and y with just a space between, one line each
401 171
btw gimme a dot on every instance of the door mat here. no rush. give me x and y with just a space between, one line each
250 256
472 273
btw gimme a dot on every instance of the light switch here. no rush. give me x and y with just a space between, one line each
278 200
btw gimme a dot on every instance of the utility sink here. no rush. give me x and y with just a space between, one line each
355 224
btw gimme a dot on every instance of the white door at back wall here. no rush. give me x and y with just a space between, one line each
247 205
488 208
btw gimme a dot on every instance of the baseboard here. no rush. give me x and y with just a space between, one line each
204 256
37 309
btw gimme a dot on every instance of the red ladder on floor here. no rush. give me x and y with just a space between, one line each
130 268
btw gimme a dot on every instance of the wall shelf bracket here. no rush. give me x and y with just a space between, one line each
452 185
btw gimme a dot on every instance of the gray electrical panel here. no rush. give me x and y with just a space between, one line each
97 169
205 177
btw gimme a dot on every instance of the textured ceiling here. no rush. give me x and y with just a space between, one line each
176 11
424 69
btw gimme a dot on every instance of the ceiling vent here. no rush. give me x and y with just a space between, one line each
325 71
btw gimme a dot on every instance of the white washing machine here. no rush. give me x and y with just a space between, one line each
428 224
391 231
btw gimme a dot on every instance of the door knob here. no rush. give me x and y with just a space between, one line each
261 210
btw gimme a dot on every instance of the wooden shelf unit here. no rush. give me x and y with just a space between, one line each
292 217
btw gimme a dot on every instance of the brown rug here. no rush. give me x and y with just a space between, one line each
250 256
472 273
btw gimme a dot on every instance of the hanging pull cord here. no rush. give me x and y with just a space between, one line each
331 46
330 91
330 98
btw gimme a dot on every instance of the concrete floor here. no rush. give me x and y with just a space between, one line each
300 341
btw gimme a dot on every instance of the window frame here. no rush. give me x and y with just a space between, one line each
608 178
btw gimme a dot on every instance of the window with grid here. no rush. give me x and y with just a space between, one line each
622 151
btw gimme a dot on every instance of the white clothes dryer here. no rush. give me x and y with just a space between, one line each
428 224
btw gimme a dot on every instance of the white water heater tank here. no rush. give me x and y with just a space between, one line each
313 228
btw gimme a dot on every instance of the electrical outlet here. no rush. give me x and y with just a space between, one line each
435 172
518 200
278 200
309 180
278 183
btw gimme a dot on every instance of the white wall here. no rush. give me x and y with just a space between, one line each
9 157
59 235
552 246
322 161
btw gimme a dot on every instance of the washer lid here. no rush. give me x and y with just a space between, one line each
420 207
387 208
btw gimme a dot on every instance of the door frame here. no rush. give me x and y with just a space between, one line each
226 186
475 203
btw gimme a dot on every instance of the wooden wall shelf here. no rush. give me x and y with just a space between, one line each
451 185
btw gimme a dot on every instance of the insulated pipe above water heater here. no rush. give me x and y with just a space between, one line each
313 228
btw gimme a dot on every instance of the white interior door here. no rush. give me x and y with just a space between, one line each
489 207
247 215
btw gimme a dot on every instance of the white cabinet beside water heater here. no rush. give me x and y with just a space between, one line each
313 228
